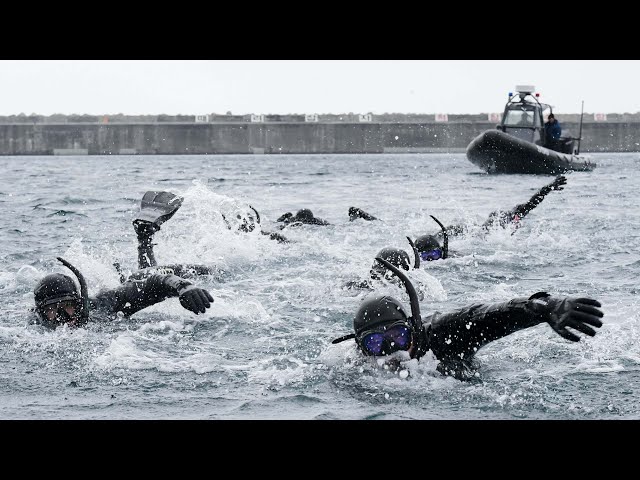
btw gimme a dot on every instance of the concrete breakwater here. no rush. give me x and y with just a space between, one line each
281 136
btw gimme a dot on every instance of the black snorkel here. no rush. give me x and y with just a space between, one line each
415 319
256 212
84 291
445 241
416 324
413 295
416 254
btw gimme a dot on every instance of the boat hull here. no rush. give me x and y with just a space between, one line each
497 152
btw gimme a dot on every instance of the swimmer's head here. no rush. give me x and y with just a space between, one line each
395 256
304 214
428 247
57 300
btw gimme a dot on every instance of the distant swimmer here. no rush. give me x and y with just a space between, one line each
516 214
58 301
396 257
430 248
383 329
248 224
355 213
303 216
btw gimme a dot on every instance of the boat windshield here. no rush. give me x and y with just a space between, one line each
520 116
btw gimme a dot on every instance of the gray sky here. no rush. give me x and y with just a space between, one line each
311 86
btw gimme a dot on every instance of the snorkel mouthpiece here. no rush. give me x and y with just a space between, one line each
343 338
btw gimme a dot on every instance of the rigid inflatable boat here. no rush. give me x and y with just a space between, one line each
518 144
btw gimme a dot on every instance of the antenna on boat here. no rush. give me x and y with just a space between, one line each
580 134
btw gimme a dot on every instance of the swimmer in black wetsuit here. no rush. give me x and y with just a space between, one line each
58 301
395 256
517 213
248 224
305 216
355 213
155 209
382 327
512 217
429 245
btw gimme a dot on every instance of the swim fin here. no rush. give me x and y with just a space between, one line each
158 207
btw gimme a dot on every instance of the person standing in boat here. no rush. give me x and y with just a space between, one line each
552 132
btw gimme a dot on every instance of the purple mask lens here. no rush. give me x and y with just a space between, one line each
435 254
384 343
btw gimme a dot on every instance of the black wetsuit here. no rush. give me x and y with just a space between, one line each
302 217
455 337
355 213
133 296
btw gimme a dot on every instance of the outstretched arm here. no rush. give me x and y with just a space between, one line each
144 231
458 335
135 295
520 211
523 209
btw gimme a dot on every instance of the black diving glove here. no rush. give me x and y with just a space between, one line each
557 184
284 217
578 313
195 298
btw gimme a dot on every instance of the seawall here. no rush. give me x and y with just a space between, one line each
280 137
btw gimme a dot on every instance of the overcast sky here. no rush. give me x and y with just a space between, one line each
153 87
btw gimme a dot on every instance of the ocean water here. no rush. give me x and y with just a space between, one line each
263 350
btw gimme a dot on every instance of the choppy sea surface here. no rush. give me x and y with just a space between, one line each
263 350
